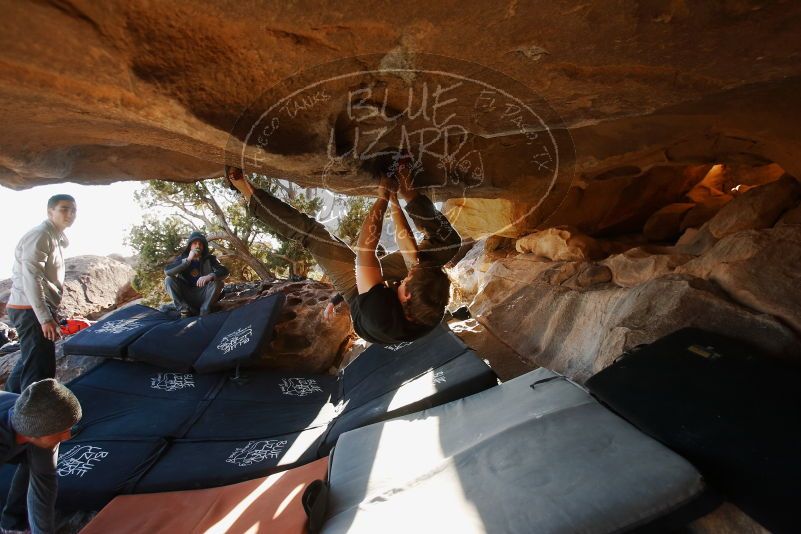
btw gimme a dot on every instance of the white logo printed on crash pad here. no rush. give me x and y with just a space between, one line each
172 381
398 346
79 460
118 326
299 387
235 339
256 451
439 377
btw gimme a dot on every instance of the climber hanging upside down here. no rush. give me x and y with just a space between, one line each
398 298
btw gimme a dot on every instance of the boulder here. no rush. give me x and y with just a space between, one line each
792 216
666 222
758 269
468 274
92 284
593 274
724 180
703 211
638 265
67 367
578 333
504 277
726 519
303 340
560 244
758 208
506 363
479 218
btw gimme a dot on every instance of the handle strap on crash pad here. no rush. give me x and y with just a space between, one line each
315 502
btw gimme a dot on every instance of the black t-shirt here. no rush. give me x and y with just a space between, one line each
378 317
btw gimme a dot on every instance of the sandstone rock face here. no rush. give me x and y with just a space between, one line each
303 341
91 285
578 333
792 216
758 208
560 244
638 265
504 361
666 222
757 268
479 218
103 92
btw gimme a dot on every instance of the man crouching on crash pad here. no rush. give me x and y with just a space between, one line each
195 278
399 298
30 431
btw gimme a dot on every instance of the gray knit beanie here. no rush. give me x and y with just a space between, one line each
44 408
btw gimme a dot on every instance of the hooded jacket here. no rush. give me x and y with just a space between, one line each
208 262
37 279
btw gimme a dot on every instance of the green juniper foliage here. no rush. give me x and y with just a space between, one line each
240 241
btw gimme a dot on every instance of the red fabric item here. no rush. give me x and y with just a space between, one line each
270 504
73 326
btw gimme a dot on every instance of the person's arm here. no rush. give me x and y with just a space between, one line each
440 241
368 268
220 271
42 489
35 251
179 265
237 179
403 233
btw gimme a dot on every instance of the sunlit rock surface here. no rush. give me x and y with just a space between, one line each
96 92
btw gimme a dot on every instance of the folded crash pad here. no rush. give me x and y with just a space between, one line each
721 404
245 332
263 505
535 454
111 336
179 343
218 341
398 391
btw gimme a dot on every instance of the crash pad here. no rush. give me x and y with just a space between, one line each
110 337
722 404
260 506
535 454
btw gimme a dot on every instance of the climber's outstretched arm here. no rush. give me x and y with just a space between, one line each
368 268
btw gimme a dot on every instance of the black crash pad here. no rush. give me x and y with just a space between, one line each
190 464
240 339
91 472
223 427
218 341
179 343
112 336
733 412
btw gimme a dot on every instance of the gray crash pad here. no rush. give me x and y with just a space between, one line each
536 454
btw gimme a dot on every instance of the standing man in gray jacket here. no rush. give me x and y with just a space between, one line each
37 284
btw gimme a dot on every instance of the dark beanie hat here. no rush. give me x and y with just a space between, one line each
44 408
